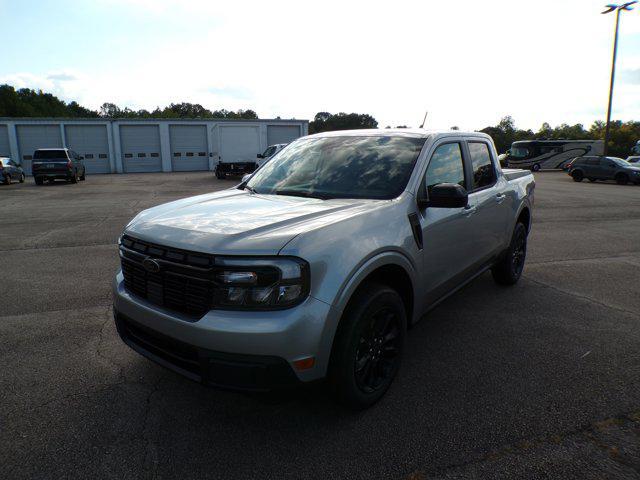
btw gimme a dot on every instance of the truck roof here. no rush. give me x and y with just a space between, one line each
409 132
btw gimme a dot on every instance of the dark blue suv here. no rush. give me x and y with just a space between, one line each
10 171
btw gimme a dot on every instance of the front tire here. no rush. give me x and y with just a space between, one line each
622 179
509 270
577 176
536 167
7 179
368 346
74 178
83 177
22 178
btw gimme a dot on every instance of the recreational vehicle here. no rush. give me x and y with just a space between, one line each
550 154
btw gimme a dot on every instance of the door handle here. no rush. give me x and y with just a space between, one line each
500 197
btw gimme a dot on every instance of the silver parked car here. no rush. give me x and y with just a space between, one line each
316 266
10 171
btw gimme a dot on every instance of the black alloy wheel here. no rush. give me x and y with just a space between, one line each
377 356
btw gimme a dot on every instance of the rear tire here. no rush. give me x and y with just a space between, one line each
577 176
84 174
509 270
74 178
22 178
622 179
368 346
536 167
220 175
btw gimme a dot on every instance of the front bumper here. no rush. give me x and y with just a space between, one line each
218 369
232 349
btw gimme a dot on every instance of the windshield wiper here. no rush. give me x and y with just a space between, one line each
247 187
301 193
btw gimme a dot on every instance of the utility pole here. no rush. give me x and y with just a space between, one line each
617 9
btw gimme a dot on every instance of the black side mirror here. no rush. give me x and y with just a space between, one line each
444 195
259 156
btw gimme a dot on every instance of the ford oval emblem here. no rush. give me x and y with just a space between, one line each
150 265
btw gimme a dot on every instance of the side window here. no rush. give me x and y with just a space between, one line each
484 174
446 166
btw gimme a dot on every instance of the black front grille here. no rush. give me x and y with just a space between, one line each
184 282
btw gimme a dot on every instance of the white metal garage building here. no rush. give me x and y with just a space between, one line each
149 145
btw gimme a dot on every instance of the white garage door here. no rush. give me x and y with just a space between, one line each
33 137
189 149
282 133
91 142
239 143
5 151
140 146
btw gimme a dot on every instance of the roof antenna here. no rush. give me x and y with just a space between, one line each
424 119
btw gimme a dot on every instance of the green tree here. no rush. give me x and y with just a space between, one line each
324 122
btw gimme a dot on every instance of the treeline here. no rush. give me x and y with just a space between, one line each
622 135
26 102
326 122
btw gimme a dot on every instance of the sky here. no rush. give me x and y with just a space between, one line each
468 63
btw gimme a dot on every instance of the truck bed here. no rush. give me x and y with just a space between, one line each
515 173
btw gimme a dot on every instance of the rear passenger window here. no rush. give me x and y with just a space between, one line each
593 161
484 174
446 166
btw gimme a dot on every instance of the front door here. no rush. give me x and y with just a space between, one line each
448 236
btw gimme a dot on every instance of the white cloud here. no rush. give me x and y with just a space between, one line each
467 64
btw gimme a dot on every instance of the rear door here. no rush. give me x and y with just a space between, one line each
493 205
591 167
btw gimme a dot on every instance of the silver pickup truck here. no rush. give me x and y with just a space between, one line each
316 266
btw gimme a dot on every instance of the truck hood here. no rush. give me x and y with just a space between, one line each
240 223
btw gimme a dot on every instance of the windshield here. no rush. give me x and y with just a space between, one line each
519 152
620 162
269 151
50 155
376 167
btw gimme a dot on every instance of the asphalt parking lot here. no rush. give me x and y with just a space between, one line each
535 381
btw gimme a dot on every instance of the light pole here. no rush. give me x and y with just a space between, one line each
610 8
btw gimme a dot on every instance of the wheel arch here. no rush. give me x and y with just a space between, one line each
524 216
386 267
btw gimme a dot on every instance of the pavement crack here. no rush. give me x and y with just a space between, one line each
151 452
99 345
582 297
588 434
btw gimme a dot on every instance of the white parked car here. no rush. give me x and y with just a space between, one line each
634 159
265 156
269 153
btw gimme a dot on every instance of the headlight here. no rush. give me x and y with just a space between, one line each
260 283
